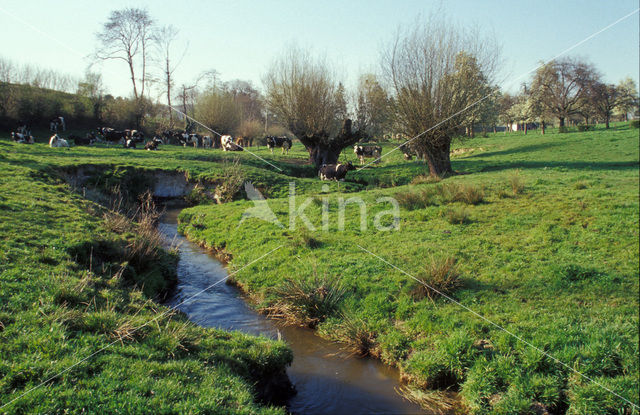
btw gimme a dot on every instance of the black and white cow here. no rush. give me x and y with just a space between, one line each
207 141
129 143
88 140
335 171
113 136
367 151
153 144
22 138
56 141
227 144
57 123
135 135
284 142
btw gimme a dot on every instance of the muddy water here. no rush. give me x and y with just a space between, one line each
326 379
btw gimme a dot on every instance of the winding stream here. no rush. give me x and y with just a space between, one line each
326 379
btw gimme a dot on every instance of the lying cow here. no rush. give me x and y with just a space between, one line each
335 171
228 145
114 136
153 144
367 151
22 138
56 141
56 123
284 142
88 140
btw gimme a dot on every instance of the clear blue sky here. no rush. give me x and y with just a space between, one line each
240 38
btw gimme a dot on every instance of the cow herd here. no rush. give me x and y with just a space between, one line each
129 138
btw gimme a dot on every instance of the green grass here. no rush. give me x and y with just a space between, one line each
547 248
70 285
550 253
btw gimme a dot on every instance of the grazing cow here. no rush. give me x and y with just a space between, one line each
335 171
88 140
56 123
284 142
367 151
129 143
207 142
56 141
190 138
22 138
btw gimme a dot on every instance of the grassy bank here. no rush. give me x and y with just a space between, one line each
541 238
75 279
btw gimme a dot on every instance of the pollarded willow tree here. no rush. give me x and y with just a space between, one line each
437 73
305 96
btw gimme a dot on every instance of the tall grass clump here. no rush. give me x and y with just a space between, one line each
458 215
411 200
439 274
516 182
307 302
355 333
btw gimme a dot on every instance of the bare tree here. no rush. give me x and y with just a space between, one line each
561 85
127 35
165 37
436 71
302 92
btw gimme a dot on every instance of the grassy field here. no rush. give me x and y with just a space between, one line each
540 236
75 278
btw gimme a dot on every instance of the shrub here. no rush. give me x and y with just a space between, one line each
439 274
586 127
231 183
634 123
458 215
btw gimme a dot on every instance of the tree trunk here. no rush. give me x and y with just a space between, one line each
322 154
543 125
607 121
524 127
561 121
323 150
438 159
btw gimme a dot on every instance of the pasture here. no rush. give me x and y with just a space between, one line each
547 249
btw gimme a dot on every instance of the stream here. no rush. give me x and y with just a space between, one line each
327 380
